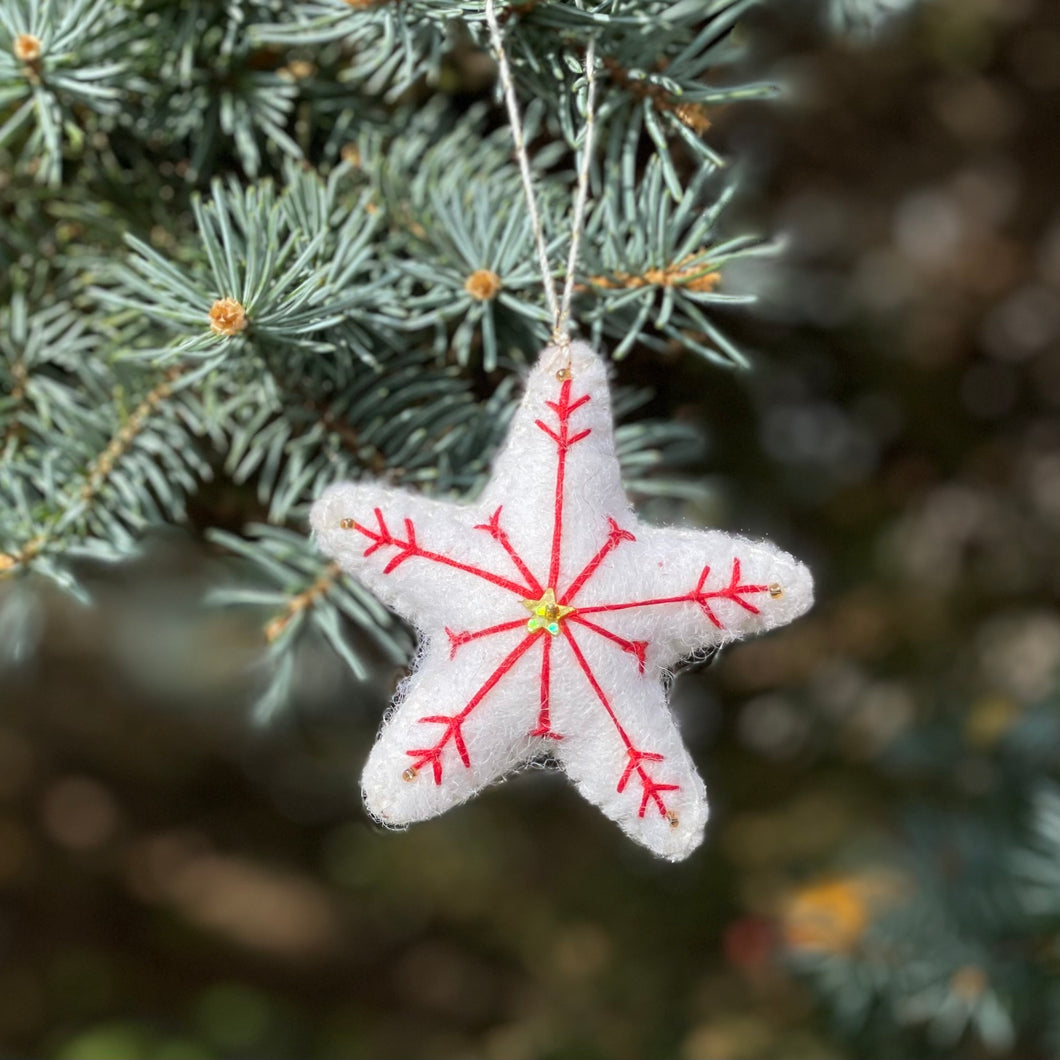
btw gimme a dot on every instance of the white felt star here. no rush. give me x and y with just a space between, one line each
550 619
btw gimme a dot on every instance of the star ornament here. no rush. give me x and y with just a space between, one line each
550 619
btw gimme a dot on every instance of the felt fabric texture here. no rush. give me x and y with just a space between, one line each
508 670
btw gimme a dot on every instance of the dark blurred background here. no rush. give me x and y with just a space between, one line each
880 877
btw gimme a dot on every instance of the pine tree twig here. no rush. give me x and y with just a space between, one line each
300 602
316 319
694 116
700 278
348 434
82 491
659 276
57 69
102 467
23 557
17 397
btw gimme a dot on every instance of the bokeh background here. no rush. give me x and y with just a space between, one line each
881 874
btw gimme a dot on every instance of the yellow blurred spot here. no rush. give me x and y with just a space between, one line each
298 69
833 915
989 720
969 982
732 1037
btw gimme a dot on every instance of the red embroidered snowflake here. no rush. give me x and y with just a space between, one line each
550 619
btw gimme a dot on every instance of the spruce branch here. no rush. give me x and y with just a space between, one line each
388 45
92 491
42 358
303 594
56 62
1033 862
653 262
212 90
471 262
261 276
323 330
670 98
392 422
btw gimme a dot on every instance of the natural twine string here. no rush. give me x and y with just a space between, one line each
560 310
582 195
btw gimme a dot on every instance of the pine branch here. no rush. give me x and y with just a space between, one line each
308 596
662 268
323 330
56 61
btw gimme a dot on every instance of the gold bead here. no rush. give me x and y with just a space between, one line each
673 819
348 524
776 591
563 375
410 774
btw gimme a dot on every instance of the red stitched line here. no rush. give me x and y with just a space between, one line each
561 469
411 548
615 536
457 639
557 516
544 717
550 432
453 722
563 410
520 590
563 406
731 592
637 603
650 789
635 758
596 685
636 648
493 528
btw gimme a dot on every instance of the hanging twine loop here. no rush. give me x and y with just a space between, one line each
559 309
